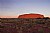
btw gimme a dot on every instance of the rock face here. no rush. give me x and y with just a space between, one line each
31 16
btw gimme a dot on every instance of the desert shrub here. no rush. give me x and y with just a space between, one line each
1 26
41 30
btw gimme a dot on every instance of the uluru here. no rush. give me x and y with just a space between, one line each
31 16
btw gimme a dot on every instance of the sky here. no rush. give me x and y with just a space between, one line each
13 8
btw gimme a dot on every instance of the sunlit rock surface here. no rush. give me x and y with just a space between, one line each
31 16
